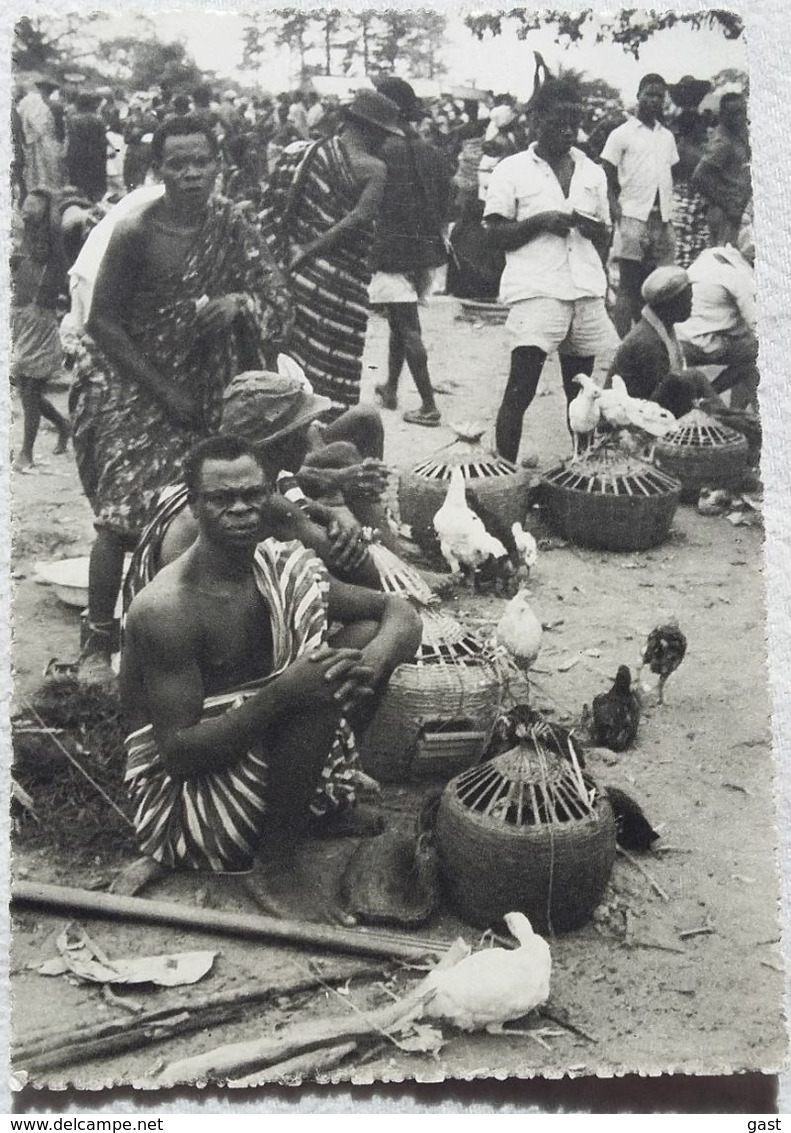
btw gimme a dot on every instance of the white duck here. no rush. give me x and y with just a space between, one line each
519 631
463 538
584 410
486 989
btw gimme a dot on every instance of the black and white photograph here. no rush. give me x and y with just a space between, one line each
390 695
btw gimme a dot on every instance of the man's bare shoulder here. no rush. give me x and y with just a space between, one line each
136 225
164 607
367 167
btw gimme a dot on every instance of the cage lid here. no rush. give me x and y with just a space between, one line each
613 473
697 429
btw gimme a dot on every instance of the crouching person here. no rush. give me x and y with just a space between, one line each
240 712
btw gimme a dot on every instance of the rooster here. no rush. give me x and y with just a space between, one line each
625 412
616 714
664 651
463 539
486 989
584 410
519 631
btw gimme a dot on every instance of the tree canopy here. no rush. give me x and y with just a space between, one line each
630 28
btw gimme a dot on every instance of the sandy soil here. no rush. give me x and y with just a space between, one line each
702 769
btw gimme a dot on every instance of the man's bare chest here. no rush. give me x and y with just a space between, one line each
236 638
166 249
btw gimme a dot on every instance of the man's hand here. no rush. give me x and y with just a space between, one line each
217 315
367 479
556 222
329 676
182 408
589 228
348 549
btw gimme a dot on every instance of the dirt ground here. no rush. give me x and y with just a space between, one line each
658 1001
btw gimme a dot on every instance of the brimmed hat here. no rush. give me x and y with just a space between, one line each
689 92
375 110
403 95
664 284
263 406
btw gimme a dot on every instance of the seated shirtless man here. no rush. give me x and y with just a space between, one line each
239 711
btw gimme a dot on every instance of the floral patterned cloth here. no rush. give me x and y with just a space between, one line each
126 445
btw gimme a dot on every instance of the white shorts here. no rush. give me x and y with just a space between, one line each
398 287
571 326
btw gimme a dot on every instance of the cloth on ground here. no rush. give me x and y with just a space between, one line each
215 821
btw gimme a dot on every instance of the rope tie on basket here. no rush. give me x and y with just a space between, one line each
76 764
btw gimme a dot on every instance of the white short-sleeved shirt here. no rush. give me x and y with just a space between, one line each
644 157
723 295
549 266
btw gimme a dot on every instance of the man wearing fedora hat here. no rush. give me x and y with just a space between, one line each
319 212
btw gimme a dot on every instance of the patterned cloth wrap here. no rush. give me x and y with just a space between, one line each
127 447
214 821
312 188
690 221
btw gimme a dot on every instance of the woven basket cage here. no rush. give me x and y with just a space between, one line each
527 831
611 502
438 711
495 483
701 452
483 311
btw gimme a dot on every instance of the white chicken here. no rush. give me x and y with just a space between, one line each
526 548
463 539
584 410
519 631
486 989
623 411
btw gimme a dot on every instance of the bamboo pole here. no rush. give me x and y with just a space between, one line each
346 940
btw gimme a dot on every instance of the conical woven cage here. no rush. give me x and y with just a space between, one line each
698 430
527 831
496 483
612 474
446 642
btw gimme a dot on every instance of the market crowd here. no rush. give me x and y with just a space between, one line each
216 259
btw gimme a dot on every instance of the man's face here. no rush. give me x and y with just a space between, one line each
188 169
230 501
557 128
374 139
651 100
733 115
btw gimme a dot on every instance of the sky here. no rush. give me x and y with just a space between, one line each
505 63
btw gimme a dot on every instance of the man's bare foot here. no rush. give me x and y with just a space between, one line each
282 888
62 446
23 463
136 876
95 669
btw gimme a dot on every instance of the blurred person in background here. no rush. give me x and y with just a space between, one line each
689 206
723 174
43 138
86 148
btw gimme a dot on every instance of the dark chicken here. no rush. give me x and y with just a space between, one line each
616 714
633 831
664 652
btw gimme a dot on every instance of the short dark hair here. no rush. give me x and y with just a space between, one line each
651 79
224 446
555 91
181 127
201 96
180 104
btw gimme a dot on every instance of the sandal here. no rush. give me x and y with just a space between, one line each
418 417
388 399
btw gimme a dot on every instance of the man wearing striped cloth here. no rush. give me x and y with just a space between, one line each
239 712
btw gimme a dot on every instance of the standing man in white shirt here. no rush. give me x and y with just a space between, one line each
547 209
638 158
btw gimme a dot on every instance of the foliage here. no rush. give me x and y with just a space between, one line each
630 28
48 43
333 40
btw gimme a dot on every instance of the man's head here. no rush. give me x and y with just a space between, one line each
651 98
272 411
668 292
403 95
228 489
184 153
201 96
556 111
374 118
180 104
733 113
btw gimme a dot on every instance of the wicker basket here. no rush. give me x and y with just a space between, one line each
437 713
610 501
493 484
703 453
527 831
